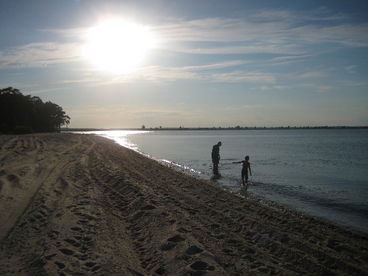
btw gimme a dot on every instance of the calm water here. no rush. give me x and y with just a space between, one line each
320 172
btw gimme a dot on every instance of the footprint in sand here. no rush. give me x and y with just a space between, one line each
192 250
148 207
215 226
89 217
63 183
14 180
138 215
200 265
160 271
96 268
77 229
171 242
57 192
84 202
176 239
87 239
82 222
249 251
167 246
256 265
49 257
183 230
53 235
73 242
90 264
66 251
60 265
233 242
83 257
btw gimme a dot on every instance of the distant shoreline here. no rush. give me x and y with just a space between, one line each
217 128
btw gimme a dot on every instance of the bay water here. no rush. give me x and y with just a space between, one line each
321 172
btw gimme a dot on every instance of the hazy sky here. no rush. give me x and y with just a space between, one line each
214 63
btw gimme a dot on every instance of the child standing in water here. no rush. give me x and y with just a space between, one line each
245 169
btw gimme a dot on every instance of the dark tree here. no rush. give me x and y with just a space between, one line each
24 114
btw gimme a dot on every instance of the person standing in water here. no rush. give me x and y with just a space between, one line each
245 169
216 158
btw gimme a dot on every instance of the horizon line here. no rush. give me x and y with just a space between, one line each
211 128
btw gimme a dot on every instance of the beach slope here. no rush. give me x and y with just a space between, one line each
82 205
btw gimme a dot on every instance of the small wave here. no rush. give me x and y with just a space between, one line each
229 159
180 166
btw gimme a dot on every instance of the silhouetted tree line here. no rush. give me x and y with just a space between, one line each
26 114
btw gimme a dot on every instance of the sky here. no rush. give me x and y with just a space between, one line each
211 63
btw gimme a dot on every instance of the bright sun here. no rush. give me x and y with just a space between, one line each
118 46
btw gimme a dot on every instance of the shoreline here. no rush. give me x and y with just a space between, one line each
319 212
84 204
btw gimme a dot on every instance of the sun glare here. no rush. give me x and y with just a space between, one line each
118 46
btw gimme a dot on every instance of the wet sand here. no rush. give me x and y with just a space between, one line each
82 205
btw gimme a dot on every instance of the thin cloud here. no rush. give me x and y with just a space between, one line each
244 49
267 32
350 69
311 75
75 33
288 58
325 88
38 55
274 87
213 66
219 30
243 77
347 34
350 83
320 14
160 74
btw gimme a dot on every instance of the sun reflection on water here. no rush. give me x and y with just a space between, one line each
119 136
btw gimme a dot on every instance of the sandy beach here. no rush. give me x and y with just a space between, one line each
82 205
